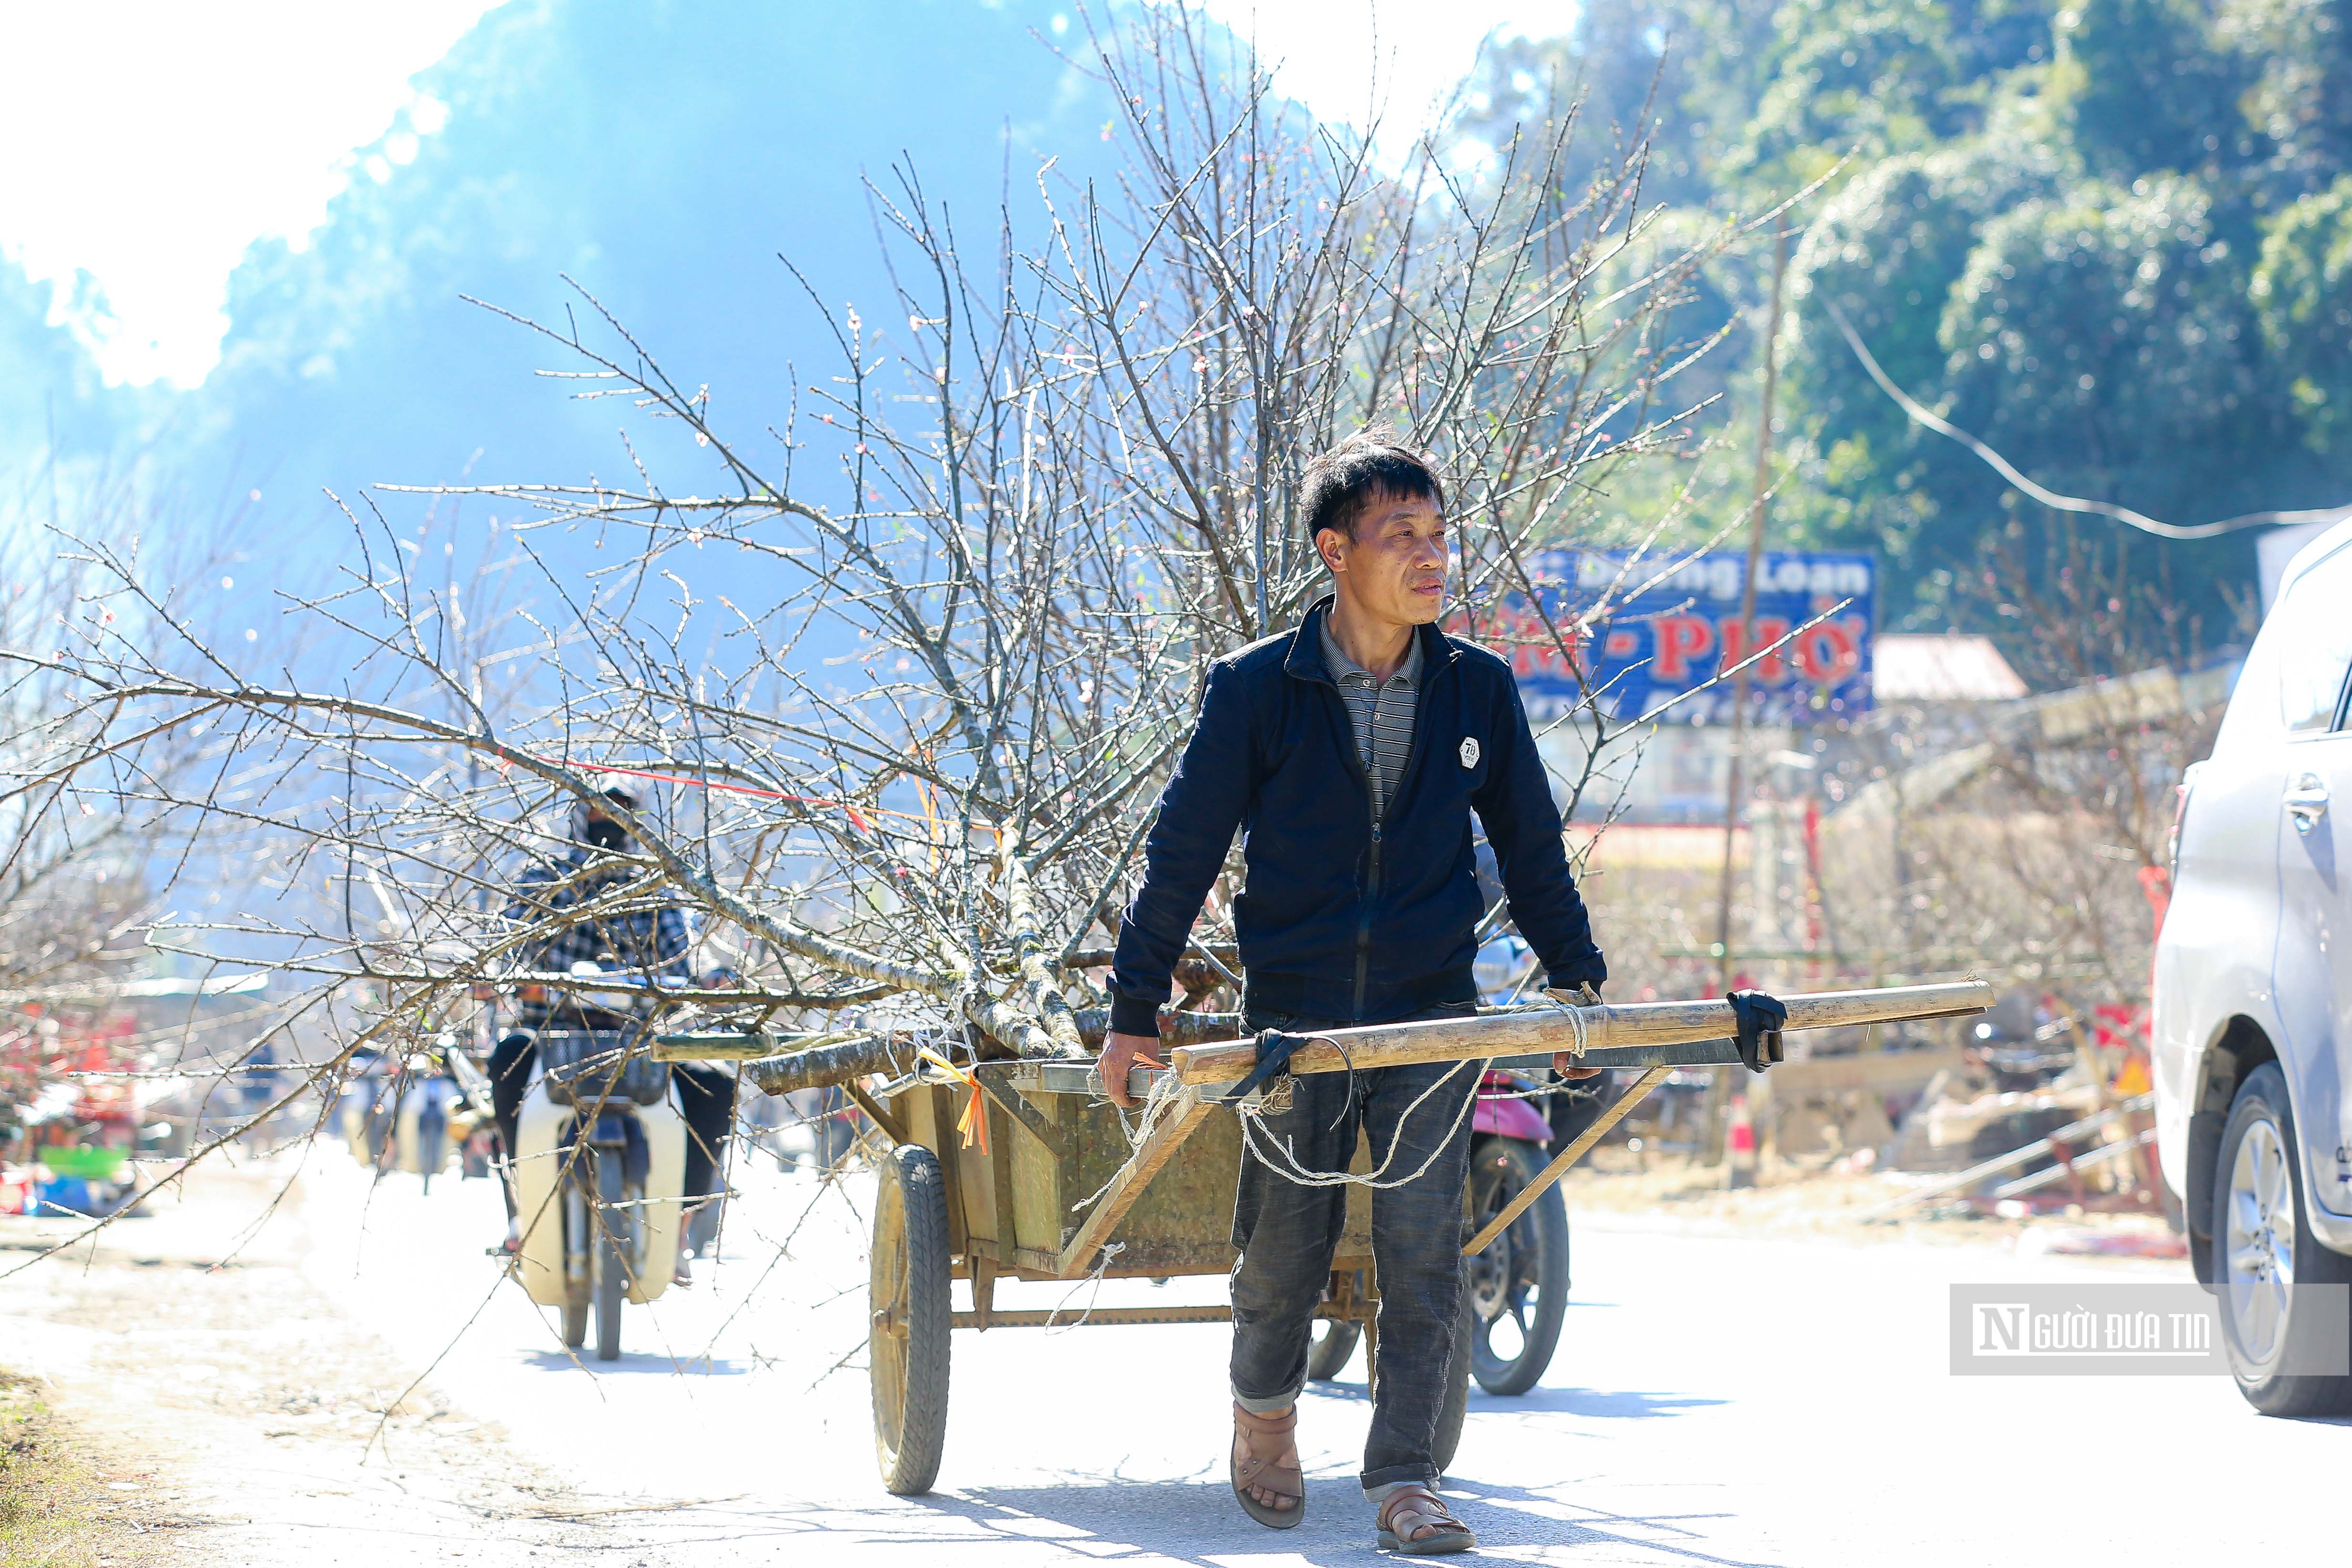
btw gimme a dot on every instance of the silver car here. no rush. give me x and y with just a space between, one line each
2253 997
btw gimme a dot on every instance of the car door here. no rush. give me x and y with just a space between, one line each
2311 966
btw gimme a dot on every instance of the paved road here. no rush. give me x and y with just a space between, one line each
1717 1401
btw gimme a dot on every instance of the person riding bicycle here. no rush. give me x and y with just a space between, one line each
644 938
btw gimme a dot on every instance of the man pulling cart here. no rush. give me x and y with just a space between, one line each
1351 754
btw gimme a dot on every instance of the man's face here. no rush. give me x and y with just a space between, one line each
603 833
1394 569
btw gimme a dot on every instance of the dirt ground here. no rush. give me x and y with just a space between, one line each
1791 1200
196 1388
199 1401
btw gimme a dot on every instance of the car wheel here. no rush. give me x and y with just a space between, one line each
2262 1250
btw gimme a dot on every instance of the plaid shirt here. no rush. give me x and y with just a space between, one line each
646 944
1381 712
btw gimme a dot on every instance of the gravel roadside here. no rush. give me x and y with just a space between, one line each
222 1410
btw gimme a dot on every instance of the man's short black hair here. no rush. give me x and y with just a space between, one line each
1341 482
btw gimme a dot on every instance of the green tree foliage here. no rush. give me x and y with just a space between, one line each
2303 295
2302 100
2113 237
1885 249
2101 338
2147 88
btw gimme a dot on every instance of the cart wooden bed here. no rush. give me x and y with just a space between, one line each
1022 1169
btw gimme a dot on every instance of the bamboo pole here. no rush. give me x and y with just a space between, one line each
1551 1029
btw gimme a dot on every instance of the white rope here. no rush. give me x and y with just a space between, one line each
1164 1090
1053 1323
1282 1157
1578 1029
1253 1130
1297 1174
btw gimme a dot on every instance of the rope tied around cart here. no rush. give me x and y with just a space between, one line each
1758 1019
1094 1276
1156 1104
1275 1047
1284 1159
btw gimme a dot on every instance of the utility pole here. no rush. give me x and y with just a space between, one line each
1718 1095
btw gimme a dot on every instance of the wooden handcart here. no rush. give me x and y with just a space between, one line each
1022 1169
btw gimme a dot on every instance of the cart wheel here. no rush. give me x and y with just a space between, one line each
1519 1285
606 1245
1328 1353
908 1294
1456 1408
575 1324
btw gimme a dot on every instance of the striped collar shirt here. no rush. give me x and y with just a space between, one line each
1380 712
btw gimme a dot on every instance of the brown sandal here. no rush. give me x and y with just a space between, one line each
1409 1511
1266 1455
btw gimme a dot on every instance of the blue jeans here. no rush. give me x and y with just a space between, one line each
1286 1232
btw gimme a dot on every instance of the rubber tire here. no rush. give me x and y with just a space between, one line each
908 1271
2263 1096
1328 1353
611 1261
1456 1408
575 1307
1544 1223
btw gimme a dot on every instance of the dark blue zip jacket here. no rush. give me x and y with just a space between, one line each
1340 921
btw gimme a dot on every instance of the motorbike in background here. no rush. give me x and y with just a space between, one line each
1518 1287
598 1179
415 1116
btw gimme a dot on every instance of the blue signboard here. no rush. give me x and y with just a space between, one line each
1656 630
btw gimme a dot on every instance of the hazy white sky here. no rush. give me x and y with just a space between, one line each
146 143
1326 52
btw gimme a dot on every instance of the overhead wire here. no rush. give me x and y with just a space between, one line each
1922 416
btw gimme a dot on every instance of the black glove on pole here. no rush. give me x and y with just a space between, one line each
1760 1017
1273 1048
